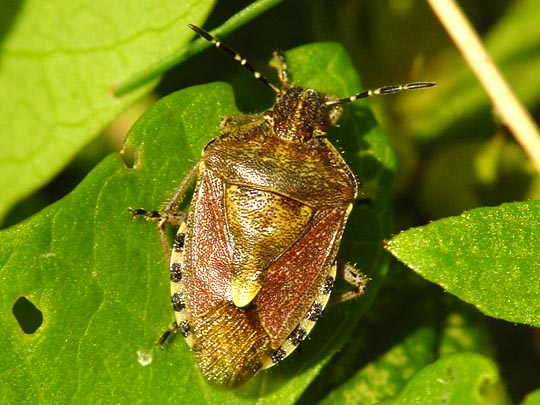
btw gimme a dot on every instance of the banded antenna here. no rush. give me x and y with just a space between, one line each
284 75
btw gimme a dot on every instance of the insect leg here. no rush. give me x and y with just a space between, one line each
355 278
167 334
174 203
170 214
163 218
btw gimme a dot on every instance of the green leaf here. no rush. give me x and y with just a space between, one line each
392 342
101 281
380 379
464 329
532 399
407 328
59 64
464 378
487 257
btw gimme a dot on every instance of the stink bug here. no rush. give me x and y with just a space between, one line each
254 260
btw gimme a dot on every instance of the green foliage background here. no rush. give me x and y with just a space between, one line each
99 280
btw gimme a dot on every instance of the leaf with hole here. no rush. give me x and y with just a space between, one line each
100 280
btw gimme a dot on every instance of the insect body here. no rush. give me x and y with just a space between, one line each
254 260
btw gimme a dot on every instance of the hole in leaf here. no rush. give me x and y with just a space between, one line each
130 157
30 318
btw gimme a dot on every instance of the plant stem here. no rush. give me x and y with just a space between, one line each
506 104
242 17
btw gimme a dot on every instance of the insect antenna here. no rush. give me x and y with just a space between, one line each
380 91
236 56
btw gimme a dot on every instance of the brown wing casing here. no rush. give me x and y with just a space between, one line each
293 282
208 257
231 343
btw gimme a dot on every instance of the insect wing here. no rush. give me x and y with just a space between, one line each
229 342
207 257
296 279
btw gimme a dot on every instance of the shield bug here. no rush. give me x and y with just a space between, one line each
254 260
